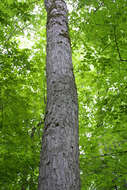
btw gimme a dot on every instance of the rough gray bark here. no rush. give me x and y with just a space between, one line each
59 165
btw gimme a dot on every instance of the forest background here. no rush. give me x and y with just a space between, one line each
98 31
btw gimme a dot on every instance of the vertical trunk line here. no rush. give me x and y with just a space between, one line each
59 160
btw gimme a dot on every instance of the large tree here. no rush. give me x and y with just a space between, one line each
98 34
59 165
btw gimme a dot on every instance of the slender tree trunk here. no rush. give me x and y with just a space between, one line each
59 165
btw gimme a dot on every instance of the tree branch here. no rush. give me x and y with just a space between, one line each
117 47
100 5
107 154
34 128
105 47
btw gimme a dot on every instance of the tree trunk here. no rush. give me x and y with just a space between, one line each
59 165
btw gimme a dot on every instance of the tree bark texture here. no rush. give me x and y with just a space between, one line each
59 165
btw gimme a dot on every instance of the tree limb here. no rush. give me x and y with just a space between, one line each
34 128
107 154
117 47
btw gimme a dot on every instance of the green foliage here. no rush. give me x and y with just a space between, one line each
22 94
100 69
98 33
